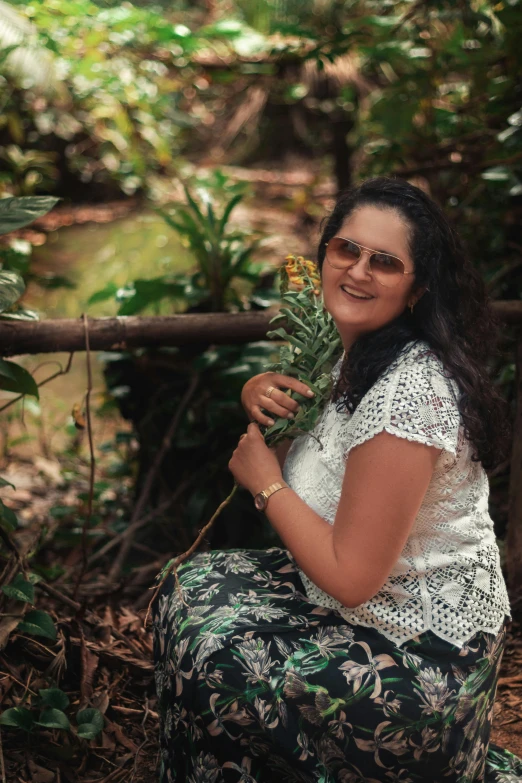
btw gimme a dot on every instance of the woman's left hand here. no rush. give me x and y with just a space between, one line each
253 465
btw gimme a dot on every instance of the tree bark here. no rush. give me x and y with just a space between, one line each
124 332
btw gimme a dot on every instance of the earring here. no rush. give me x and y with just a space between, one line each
411 308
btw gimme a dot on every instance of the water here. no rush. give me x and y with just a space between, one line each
140 245
91 256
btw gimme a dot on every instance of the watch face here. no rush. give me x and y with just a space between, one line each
259 502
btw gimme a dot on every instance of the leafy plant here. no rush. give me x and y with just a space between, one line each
16 213
223 257
314 345
49 713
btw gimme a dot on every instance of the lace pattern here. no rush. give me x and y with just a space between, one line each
448 577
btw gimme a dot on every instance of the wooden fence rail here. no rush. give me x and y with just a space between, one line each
125 332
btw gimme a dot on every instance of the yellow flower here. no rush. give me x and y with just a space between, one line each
302 272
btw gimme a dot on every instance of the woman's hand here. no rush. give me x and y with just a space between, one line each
253 465
253 396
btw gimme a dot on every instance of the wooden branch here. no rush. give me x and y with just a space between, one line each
125 332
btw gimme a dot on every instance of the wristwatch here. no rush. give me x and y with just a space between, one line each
261 499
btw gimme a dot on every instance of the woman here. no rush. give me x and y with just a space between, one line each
369 648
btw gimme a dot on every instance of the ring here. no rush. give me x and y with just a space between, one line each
242 436
269 391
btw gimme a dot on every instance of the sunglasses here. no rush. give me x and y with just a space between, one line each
386 269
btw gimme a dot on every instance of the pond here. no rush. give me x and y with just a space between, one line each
95 254
91 255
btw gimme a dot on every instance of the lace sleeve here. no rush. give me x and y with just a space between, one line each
417 402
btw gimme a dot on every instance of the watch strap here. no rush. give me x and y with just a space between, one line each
273 488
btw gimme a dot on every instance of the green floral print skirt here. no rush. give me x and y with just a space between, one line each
256 683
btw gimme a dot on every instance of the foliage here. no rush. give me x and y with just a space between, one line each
113 116
223 257
16 213
49 713
313 349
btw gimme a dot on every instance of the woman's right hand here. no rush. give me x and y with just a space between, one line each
253 396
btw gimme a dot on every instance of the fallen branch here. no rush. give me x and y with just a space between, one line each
126 332
121 333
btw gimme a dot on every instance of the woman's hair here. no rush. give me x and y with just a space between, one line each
453 317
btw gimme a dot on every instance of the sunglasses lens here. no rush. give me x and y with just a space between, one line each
343 253
386 269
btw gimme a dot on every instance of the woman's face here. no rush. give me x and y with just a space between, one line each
379 229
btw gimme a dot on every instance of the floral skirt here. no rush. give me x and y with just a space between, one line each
256 683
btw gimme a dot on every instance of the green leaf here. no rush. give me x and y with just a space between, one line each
15 378
103 294
20 590
21 314
194 205
496 174
18 717
38 623
55 698
147 292
5 483
291 339
8 517
12 287
18 212
90 723
228 209
53 719
51 281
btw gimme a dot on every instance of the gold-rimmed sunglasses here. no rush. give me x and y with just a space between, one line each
343 253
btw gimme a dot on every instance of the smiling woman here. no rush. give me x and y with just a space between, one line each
368 649
365 289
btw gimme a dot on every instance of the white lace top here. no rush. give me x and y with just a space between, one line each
448 577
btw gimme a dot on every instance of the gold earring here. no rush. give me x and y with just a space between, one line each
411 308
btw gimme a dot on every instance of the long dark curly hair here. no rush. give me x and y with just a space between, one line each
453 317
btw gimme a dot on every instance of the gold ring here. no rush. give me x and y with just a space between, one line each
269 391
242 436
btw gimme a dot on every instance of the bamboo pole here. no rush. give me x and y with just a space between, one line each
125 332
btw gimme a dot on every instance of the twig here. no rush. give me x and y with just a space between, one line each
145 741
18 682
52 591
87 520
139 523
120 558
173 568
90 616
42 383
